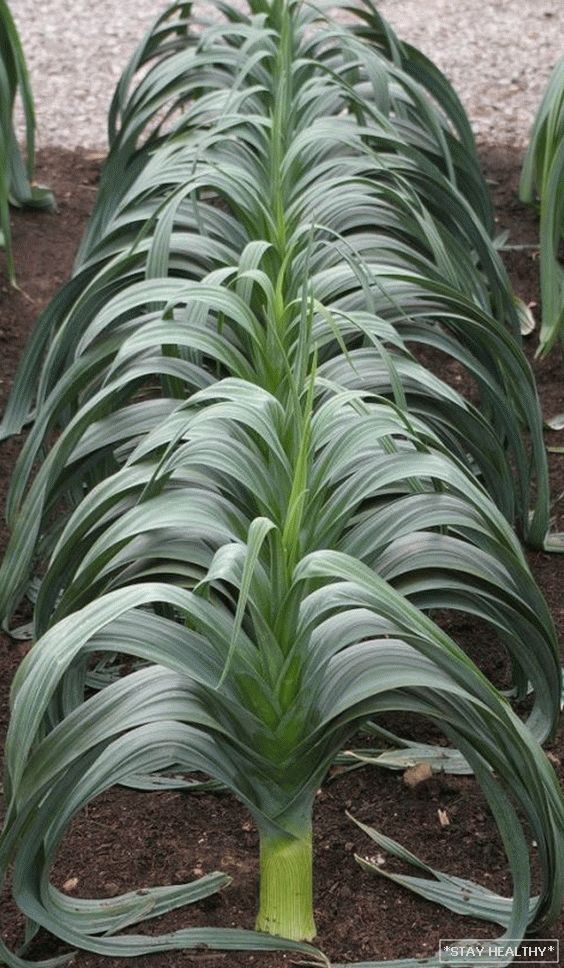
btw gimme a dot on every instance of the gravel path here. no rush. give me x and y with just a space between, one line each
498 53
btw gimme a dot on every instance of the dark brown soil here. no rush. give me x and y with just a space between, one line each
132 840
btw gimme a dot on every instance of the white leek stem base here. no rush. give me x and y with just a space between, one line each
286 887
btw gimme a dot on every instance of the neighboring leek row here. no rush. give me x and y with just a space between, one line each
16 176
543 178
257 491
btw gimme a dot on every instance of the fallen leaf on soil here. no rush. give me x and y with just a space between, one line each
556 422
444 818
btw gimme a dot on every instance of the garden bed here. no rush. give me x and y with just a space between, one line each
134 840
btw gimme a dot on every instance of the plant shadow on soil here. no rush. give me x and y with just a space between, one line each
128 840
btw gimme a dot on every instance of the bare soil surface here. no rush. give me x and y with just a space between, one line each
129 840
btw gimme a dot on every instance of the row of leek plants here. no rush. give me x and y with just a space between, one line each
256 490
542 178
16 175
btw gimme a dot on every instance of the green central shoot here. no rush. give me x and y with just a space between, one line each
286 899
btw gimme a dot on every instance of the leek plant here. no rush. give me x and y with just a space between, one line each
16 176
542 177
257 491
